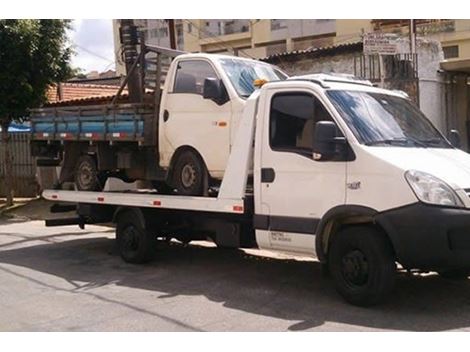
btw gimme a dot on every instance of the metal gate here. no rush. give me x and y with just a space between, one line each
24 171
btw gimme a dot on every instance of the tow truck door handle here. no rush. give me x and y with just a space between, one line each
166 115
267 175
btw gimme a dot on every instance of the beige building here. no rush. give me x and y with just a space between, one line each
250 38
258 38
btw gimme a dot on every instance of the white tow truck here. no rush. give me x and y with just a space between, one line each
352 174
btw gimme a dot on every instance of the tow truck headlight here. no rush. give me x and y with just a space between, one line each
432 190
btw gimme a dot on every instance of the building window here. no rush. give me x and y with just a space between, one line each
218 27
163 32
292 122
278 24
451 51
179 35
190 28
154 33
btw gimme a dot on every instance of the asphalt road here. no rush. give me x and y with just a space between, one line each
66 279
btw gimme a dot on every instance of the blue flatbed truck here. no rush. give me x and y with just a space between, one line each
117 137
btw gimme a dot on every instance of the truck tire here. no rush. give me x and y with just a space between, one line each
135 244
362 265
188 174
87 177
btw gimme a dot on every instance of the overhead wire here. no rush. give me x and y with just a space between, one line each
93 53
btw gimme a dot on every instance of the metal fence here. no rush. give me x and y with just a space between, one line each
24 171
399 66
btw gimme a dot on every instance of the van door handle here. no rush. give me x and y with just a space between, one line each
267 175
166 115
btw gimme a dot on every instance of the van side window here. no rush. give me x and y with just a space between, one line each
190 76
292 121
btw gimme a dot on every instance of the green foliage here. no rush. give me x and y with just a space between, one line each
33 55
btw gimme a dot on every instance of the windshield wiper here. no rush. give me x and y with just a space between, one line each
435 141
399 141
418 142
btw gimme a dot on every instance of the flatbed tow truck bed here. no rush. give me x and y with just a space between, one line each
227 218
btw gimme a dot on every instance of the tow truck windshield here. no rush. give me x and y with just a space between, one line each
386 120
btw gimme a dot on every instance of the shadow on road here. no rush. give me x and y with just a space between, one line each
285 289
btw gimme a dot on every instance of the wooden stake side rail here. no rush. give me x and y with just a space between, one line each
204 204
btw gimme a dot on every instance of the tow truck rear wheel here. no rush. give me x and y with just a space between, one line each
362 264
136 245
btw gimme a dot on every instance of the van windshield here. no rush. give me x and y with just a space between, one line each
386 120
242 74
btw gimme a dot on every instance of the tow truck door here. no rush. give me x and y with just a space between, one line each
295 190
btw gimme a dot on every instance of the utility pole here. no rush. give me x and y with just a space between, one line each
412 37
129 40
171 32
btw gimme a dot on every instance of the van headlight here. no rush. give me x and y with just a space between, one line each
432 190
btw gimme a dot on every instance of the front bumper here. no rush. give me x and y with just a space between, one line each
429 237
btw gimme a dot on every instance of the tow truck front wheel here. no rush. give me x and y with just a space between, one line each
135 244
362 265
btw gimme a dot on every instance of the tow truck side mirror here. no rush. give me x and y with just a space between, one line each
454 139
214 90
325 140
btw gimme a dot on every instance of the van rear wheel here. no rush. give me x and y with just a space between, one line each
362 264
87 177
189 174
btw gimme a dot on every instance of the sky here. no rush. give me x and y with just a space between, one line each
93 44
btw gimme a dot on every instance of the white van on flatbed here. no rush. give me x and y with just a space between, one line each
352 174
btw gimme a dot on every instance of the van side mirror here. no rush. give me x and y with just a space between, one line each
214 90
325 140
454 139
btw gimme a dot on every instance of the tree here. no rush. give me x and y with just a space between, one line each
33 55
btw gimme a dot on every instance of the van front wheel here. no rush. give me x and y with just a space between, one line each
362 265
189 174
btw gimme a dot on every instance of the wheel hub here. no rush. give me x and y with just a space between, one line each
354 268
130 238
85 174
188 175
